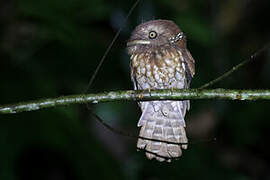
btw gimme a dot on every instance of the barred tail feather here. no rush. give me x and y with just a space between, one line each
163 120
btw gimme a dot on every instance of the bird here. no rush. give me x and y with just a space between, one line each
159 59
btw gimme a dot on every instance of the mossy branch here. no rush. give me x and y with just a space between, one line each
130 95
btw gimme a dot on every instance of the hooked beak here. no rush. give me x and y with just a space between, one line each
136 42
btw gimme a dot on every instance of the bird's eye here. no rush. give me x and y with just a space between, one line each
152 34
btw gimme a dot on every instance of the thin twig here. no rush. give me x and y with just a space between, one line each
235 68
109 47
129 134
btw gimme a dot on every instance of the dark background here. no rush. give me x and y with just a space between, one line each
50 48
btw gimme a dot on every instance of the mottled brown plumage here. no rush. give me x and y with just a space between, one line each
160 60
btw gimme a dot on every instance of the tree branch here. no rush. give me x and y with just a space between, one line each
130 95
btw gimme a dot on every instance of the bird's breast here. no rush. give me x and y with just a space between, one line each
159 70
